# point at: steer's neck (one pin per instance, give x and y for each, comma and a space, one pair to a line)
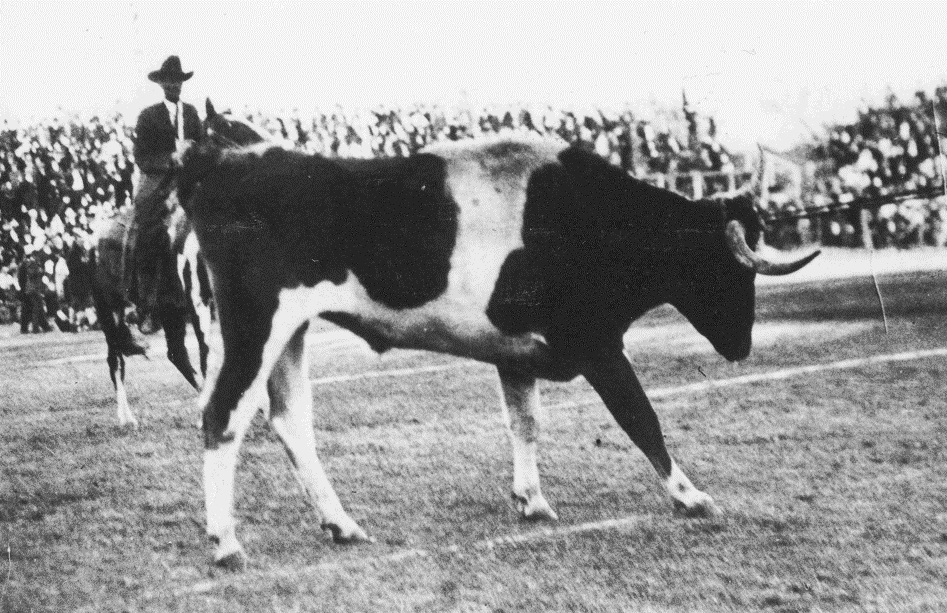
662, 222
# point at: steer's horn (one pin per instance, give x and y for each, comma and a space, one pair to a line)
736, 240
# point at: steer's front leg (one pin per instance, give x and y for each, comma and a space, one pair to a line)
615, 380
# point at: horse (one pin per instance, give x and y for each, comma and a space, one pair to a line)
170, 290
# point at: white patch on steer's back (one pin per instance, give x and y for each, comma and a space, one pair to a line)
490, 192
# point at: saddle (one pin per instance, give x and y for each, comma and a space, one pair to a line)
148, 215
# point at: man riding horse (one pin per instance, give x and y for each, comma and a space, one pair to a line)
160, 130
148, 256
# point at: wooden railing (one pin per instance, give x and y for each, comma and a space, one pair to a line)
697, 184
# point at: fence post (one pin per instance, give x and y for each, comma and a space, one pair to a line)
697, 184
731, 179
865, 219
764, 181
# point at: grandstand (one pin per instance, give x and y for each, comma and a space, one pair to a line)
57, 177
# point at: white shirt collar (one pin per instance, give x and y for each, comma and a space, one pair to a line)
172, 108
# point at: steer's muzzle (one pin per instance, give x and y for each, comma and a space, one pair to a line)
738, 350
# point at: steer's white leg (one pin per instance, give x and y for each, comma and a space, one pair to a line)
687, 498
219, 471
520, 404
291, 418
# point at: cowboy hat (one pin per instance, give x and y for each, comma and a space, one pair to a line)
170, 72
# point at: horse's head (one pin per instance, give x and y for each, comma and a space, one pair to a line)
224, 130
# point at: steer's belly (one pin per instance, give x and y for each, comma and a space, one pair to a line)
444, 325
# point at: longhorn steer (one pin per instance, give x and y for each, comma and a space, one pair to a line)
527, 254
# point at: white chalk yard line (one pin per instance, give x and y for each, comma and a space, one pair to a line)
512, 540
324, 341
159, 349
659, 393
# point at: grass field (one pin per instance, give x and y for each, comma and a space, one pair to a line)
831, 479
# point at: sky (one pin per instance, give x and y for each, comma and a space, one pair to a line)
769, 72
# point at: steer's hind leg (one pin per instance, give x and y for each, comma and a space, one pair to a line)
616, 382
520, 403
291, 418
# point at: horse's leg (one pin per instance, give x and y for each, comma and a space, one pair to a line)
200, 321
116, 362
291, 418
199, 313
174, 322
125, 415
197, 287
112, 321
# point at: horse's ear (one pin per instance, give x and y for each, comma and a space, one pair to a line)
209, 107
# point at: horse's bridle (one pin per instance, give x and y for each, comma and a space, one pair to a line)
226, 140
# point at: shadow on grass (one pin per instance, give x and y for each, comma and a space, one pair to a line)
907, 295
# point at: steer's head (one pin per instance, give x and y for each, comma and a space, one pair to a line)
717, 292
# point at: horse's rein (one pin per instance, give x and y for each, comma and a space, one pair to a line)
227, 141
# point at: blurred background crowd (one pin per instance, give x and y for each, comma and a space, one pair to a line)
60, 177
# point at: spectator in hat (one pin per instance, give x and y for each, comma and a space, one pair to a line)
161, 128
33, 309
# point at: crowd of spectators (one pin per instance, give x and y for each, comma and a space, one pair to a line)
670, 142
59, 177
888, 151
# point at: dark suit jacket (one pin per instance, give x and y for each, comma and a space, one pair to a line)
155, 135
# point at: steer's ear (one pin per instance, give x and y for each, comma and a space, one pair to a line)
209, 108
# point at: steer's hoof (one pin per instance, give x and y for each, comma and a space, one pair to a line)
235, 561
704, 507
535, 508
347, 537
